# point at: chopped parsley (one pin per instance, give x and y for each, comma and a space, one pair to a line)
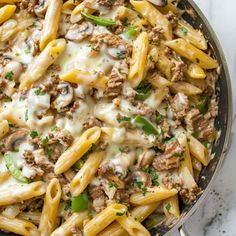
123, 119
158, 119
111, 185
48, 151
67, 206
203, 104
53, 128
9, 75
33, 25
138, 184
166, 108
122, 213
144, 90
118, 55
178, 154
44, 141
206, 143
153, 174
195, 134
33, 134
184, 30
39, 92
151, 58
168, 206
144, 191
26, 115
27, 51
17, 54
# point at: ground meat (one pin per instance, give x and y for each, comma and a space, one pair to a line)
172, 18
170, 159
28, 5
63, 137
144, 109
106, 3
179, 104
178, 71
189, 195
111, 40
122, 195
34, 204
91, 122
165, 128
155, 35
213, 107
50, 86
196, 122
96, 192
171, 183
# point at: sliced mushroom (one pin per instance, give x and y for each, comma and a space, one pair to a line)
41, 9
64, 98
13, 139
119, 52
79, 32
33, 46
142, 177
159, 3
13, 70
146, 158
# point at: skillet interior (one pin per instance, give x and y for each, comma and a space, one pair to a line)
223, 121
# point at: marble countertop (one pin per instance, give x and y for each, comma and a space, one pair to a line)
217, 215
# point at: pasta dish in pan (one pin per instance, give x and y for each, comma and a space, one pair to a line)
107, 115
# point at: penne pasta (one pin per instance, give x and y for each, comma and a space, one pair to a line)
86, 78
140, 213
170, 7
75, 220
10, 1
184, 87
194, 71
41, 63
51, 22
69, 6
50, 208
86, 173
198, 150
104, 218
171, 207
4, 176
139, 58
153, 16
8, 29
187, 32
185, 49
132, 226
159, 81
19, 193
152, 195
4, 128
80, 146
30, 216
6, 12
18, 226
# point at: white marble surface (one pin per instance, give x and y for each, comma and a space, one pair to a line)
217, 215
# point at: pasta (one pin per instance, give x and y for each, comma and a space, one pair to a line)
50, 208
51, 22
107, 116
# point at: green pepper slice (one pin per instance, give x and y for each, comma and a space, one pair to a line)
145, 125
202, 106
79, 203
130, 33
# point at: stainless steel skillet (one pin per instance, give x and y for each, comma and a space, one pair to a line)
223, 121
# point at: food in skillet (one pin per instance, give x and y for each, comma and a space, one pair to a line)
107, 115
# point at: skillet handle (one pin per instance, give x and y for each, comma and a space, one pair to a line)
182, 231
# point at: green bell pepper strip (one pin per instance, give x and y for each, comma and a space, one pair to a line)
145, 125
144, 90
14, 170
130, 33
79, 203
202, 106
98, 20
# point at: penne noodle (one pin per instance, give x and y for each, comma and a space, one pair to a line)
69, 6
4, 176
184, 87
195, 55
86, 173
4, 128
159, 82
19, 193
198, 150
153, 16
32, 216
104, 218
41, 63
86, 78
18, 226
187, 178
80, 146
132, 226
169, 7
6, 12
8, 29
194, 71
152, 195
139, 58
171, 207
187, 32
10, 1
51, 23
50, 208
75, 220
140, 213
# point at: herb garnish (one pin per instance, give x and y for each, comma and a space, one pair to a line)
144, 90
33, 134
9, 75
